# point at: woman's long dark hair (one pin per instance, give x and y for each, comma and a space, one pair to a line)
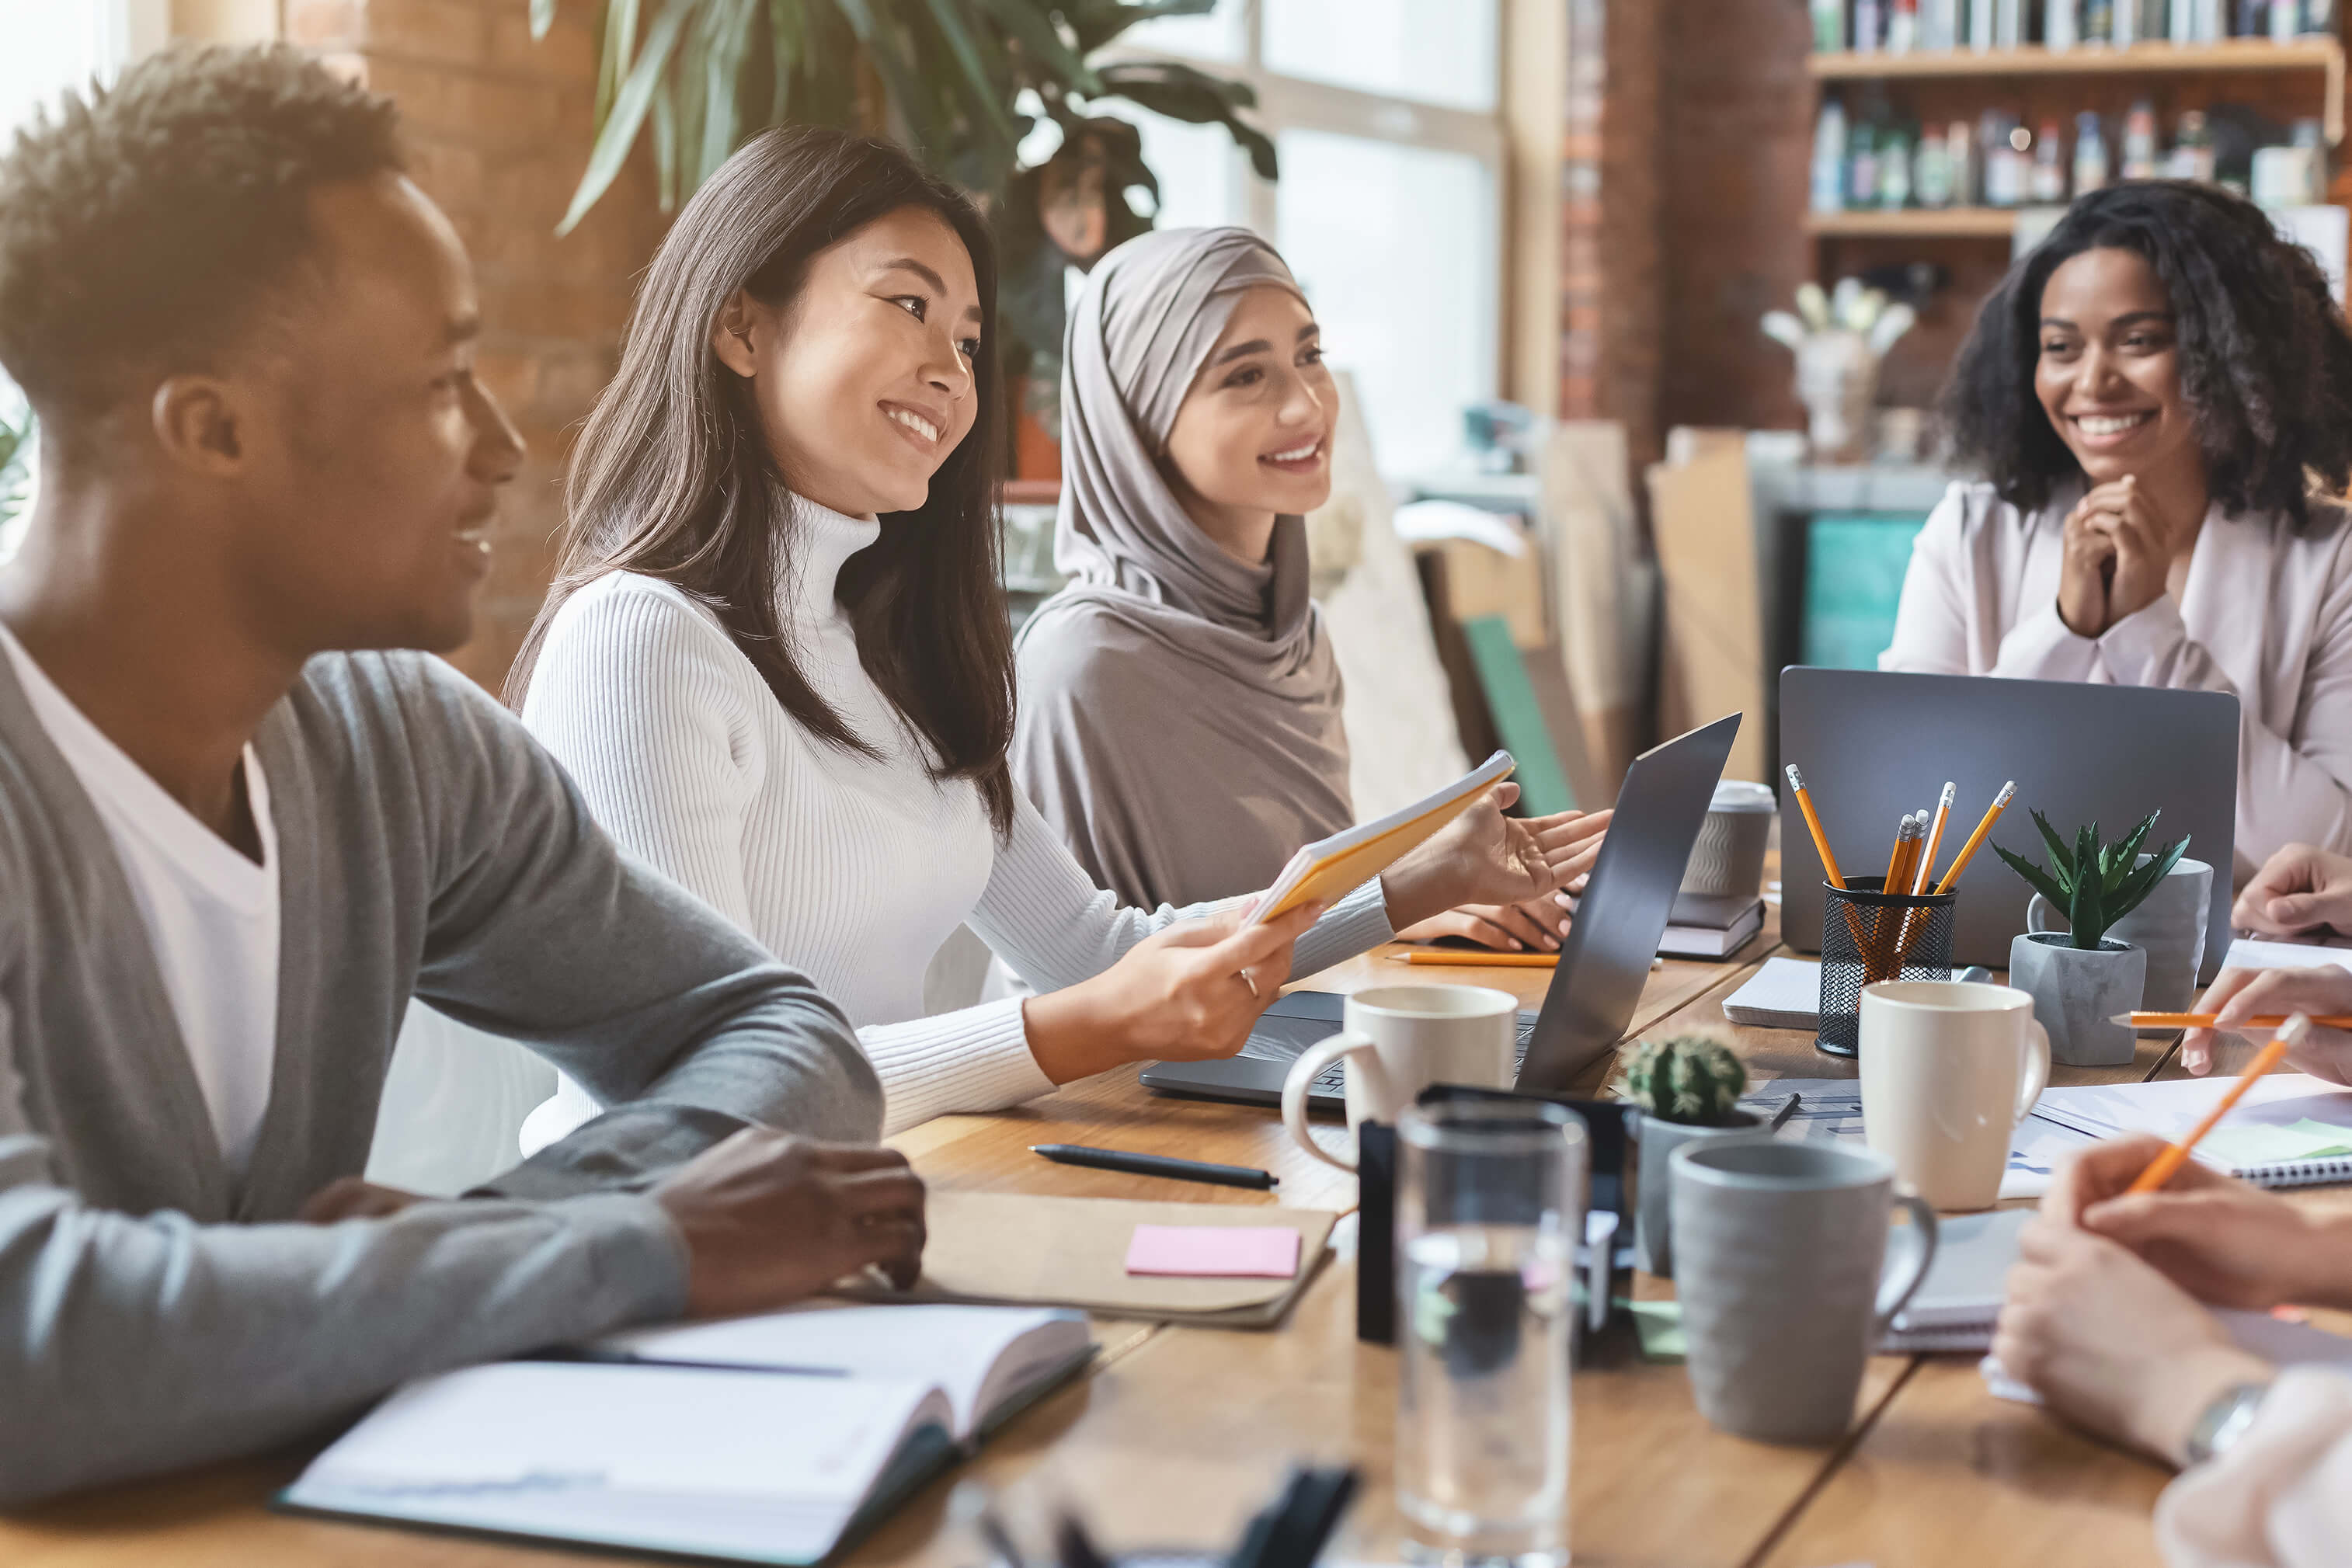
672, 477
2266, 356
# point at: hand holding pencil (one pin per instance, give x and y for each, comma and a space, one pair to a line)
2240, 997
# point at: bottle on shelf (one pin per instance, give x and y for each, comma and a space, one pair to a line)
1931, 170
2004, 142
2139, 142
1961, 157
2193, 148
1869, 25
1940, 25
2098, 21
2253, 20
2049, 181
2133, 22
2090, 154
2286, 19
2319, 19
1861, 165
1895, 168
1829, 25
1903, 26
1829, 158
2062, 24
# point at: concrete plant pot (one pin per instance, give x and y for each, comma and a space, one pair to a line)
1654, 1251
2076, 991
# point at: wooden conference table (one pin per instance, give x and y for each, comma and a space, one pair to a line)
1178, 1434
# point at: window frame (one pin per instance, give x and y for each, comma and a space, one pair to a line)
1297, 103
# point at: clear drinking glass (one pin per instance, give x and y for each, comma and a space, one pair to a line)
1490, 1200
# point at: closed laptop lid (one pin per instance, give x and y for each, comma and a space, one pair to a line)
1873, 745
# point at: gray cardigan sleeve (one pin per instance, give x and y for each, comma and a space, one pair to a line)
131, 1343
663, 1009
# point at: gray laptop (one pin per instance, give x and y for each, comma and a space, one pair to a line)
1603, 963
1873, 746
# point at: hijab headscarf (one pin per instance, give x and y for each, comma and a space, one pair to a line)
1180, 708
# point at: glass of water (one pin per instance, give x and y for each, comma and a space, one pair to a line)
1490, 1201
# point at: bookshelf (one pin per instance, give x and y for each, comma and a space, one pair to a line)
1915, 223
2324, 56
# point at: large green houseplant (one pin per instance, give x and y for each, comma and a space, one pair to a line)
963, 82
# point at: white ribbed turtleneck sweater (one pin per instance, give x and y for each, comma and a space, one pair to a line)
850, 868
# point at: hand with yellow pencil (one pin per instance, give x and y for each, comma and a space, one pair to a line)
2238, 995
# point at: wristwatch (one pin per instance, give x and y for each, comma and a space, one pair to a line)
2225, 1421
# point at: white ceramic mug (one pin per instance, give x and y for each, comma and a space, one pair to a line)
1950, 1068
1397, 1041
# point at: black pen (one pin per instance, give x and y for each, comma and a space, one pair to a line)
1152, 1165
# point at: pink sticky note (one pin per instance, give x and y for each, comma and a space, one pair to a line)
1223, 1251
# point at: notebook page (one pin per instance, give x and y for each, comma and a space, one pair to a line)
2252, 952
1790, 986
2285, 1117
569, 1426
954, 1348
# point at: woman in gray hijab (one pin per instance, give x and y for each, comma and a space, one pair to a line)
1179, 716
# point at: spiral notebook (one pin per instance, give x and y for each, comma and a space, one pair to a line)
2291, 1130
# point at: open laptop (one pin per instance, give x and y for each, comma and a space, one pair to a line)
1874, 745
1603, 963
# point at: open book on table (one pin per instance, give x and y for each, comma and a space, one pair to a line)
1330, 869
774, 1439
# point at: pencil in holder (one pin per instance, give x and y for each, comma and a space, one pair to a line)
1868, 936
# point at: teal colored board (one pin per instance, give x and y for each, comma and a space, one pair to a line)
1854, 578
1518, 718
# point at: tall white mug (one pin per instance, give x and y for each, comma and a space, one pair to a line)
1950, 1068
1397, 1041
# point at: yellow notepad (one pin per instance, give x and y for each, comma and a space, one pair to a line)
1330, 869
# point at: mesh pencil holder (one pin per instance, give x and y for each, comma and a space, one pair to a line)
1868, 936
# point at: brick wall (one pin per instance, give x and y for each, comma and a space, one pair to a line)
497, 128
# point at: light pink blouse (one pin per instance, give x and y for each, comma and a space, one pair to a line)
2266, 615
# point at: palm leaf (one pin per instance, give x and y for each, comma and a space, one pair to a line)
1181, 92
1097, 22
2037, 879
619, 47
619, 131
881, 41
988, 94
1026, 23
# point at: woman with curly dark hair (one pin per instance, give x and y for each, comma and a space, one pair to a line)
2159, 401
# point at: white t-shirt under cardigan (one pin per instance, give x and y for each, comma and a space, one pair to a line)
854, 869
211, 913
2266, 615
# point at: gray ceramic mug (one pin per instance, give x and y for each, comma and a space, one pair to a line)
1788, 1272
2168, 926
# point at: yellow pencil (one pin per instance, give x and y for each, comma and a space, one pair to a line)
1813, 825
1976, 840
1463, 955
2162, 1169
2213, 1021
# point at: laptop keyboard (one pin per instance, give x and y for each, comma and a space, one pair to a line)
1333, 1080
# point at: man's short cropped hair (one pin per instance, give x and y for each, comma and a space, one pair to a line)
146, 226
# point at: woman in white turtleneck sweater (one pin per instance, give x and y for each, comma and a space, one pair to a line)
801, 709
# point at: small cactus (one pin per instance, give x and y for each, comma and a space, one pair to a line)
1692, 1079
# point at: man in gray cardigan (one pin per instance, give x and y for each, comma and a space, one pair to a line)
266, 466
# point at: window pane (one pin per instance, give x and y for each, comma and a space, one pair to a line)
1396, 248
1215, 36
1440, 52
1200, 179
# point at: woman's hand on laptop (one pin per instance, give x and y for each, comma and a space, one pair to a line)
1540, 924
2300, 889
1483, 857
768, 1218
2237, 994
1191, 993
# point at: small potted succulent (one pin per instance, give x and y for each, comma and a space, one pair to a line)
2080, 978
1686, 1087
